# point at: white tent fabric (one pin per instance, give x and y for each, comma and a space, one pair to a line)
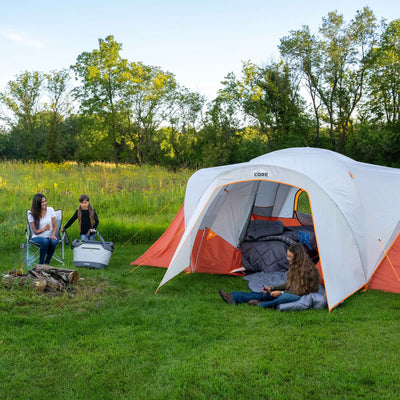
354, 205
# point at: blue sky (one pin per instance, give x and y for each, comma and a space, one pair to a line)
200, 41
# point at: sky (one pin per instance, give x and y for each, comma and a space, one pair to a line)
199, 41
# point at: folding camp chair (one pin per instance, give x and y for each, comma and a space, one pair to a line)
33, 249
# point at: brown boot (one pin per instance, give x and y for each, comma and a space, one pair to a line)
226, 297
254, 302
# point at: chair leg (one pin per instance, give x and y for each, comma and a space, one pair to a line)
31, 254
59, 258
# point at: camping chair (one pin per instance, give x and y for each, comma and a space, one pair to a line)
32, 248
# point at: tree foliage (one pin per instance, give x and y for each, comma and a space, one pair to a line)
58, 106
148, 91
268, 98
383, 102
332, 65
21, 99
336, 88
102, 74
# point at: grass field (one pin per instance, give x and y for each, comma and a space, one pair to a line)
128, 199
113, 338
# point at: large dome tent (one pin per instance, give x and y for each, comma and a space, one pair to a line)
355, 215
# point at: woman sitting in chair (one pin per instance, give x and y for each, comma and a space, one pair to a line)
42, 220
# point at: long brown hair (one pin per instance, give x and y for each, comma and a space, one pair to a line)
85, 197
36, 209
300, 276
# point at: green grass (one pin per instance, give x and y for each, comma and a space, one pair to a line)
114, 338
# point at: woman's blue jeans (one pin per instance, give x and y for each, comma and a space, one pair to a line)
90, 237
47, 248
265, 299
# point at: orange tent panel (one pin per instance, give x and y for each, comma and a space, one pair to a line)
286, 221
161, 252
387, 275
213, 255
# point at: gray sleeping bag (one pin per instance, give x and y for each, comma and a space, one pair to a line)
264, 247
312, 300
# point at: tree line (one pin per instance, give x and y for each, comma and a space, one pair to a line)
337, 88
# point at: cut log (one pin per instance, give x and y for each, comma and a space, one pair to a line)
66, 275
43, 278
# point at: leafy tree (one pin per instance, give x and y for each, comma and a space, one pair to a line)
375, 143
69, 134
247, 144
183, 115
91, 138
302, 53
333, 66
147, 91
102, 73
59, 107
268, 98
3, 143
220, 125
21, 100
383, 102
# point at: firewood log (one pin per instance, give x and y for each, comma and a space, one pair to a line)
43, 278
67, 275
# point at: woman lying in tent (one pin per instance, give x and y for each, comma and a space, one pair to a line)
302, 278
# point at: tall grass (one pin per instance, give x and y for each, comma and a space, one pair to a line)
127, 198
